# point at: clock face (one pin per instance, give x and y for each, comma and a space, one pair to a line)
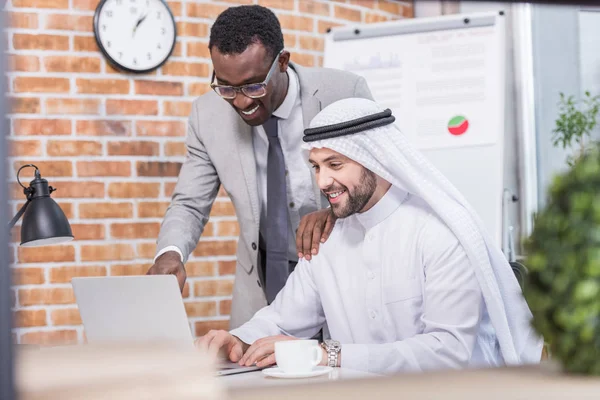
136, 35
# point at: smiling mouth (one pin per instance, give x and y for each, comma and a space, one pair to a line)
332, 196
251, 111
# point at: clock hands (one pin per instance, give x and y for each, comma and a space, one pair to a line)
139, 22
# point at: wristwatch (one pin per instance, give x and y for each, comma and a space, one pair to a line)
333, 348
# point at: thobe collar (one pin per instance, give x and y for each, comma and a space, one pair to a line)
385, 207
285, 108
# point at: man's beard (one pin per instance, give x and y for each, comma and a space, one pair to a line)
358, 199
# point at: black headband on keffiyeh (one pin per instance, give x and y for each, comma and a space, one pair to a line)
349, 127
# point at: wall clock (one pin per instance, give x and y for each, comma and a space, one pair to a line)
135, 35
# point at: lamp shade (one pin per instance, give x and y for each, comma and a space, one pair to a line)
44, 223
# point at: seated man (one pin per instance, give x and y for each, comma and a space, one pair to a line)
407, 281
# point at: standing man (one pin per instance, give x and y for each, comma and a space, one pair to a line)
246, 135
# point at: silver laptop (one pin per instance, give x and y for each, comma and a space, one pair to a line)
137, 308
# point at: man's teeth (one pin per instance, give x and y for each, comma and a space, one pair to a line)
251, 111
336, 194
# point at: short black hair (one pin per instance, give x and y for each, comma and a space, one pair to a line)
236, 28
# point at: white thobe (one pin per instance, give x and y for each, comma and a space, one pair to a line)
395, 288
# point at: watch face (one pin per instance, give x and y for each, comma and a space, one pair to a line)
135, 35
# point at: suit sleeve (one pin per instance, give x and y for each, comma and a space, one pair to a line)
193, 197
296, 311
361, 89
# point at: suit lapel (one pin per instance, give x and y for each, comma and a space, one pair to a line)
248, 162
311, 105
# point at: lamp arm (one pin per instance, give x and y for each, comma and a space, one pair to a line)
19, 214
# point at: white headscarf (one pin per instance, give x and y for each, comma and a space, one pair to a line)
387, 152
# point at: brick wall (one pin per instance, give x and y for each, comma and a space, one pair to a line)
112, 143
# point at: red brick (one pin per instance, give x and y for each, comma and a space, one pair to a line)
222, 209
214, 287
312, 43
27, 41
72, 64
349, 14
313, 7
177, 50
177, 108
24, 105
197, 30
169, 188
175, 149
176, 8
47, 168
85, 43
73, 148
152, 209
140, 230
24, 148
65, 316
186, 290
103, 86
364, 3
204, 10
203, 327
296, 23
66, 22
307, 60
281, 4
30, 127
85, 5
23, 63
228, 228
27, 276
131, 107
46, 254
371, 17
65, 274
122, 148
225, 307
103, 168
323, 26
108, 252
129, 269
41, 3
72, 106
391, 7
200, 268
198, 49
21, 20
105, 210
159, 88
160, 128
42, 296
88, 231
227, 267
158, 168
201, 308
50, 338
29, 318
215, 248
26, 84
67, 209
179, 68
198, 89
103, 128
79, 189
146, 250
133, 190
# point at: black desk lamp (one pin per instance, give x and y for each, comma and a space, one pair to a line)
44, 223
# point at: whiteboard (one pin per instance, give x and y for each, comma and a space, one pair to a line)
444, 80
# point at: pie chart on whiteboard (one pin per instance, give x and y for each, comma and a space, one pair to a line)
458, 125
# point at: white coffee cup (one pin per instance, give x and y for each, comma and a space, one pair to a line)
298, 356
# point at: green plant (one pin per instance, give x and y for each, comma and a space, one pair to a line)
576, 120
563, 259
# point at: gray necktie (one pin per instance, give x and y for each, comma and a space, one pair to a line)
277, 265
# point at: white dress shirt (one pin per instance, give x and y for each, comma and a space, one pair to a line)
300, 194
395, 288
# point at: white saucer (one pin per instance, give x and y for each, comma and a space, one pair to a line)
275, 372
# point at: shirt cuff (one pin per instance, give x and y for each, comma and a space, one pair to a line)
245, 335
169, 248
355, 356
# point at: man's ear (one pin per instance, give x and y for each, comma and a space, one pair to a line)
284, 60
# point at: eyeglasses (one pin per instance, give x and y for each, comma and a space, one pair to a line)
252, 90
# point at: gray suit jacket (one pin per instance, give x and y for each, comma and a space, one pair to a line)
220, 151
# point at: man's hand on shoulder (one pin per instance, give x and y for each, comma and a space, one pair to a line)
169, 263
313, 230
221, 343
